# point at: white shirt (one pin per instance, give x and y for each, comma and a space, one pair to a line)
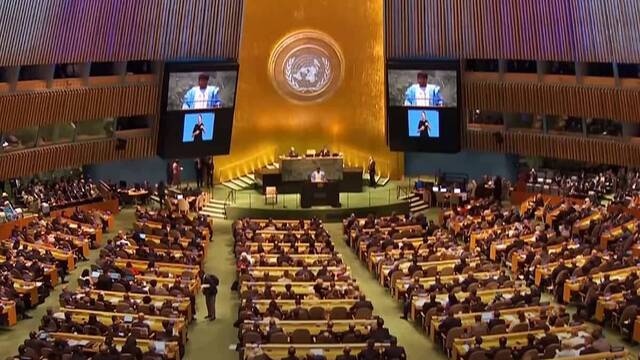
317, 176
200, 101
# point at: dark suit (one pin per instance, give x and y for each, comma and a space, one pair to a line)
372, 173
210, 293
449, 323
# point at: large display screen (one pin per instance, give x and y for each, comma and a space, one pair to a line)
197, 109
422, 106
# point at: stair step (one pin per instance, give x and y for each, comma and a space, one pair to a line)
251, 176
239, 183
214, 215
213, 211
231, 185
214, 201
246, 180
383, 181
214, 206
419, 208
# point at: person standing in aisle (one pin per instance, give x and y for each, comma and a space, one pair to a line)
210, 284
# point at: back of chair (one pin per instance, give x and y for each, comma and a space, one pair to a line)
530, 355
317, 313
339, 313
520, 327
446, 271
478, 355
498, 329
628, 313
140, 332
278, 338
431, 271
453, 334
251, 337
363, 313
301, 336
550, 351
504, 354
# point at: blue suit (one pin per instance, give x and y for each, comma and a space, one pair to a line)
213, 100
432, 91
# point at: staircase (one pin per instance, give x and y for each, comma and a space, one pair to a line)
214, 209
240, 183
416, 204
380, 181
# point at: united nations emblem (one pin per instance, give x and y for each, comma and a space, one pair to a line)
306, 66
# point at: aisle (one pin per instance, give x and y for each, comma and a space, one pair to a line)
416, 343
211, 339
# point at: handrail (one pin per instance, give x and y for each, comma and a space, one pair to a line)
403, 190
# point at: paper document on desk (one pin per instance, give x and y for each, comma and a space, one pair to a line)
78, 342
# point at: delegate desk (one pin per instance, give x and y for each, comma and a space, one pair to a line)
509, 315
50, 271
302, 288
298, 259
106, 317
573, 285
440, 265
192, 285
301, 247
519, 256
87, 229
609, 302
461, 346
330, 351
276, 272
169, 268
157, 226
402, 284
91, 343
321, 193
288, 305
487, 295
180, 304
59, 255
9, 308
615, 233
543, 271
315, 327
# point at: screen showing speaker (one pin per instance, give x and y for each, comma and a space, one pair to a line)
422, 106
197, 109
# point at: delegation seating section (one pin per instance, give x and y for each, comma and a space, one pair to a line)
299, 298
475, 284
137, 300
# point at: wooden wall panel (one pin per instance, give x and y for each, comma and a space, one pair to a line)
73, 31
554, 99
591, 150
29, 162
22, 110
569, 30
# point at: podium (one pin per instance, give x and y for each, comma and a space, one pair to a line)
323, 193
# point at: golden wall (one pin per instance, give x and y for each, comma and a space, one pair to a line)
351, 120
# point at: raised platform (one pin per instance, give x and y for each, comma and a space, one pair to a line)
251, 203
